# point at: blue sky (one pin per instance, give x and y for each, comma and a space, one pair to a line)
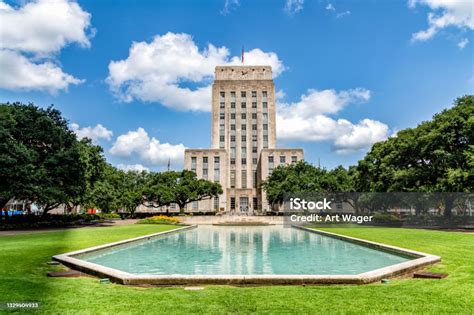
350, 72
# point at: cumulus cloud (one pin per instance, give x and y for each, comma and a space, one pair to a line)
156, 71
330, 7
443, 14
94, 133
31, 37
309, 120
294, 6
43, 26
133, 167
20, 73
149, 150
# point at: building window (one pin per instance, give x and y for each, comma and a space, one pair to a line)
217, 175
232, 116
265, 127
264, 104
232, 105
232, 179
222, 105
232, 127
270, 159
193, 163
294, 159
254, 149
254, 104
216, 162
232, 138
254, 115
195, 205
232, 161
265, 117
243, 94
232, 96
243, 105
221, 138
282, 159
216, 203
243, 116
244, 161
222, 94
254, 127
244, 178
244, 151
264, 96
232, 203
243, 127
254, 181
222, 115
244, 138
205, 174
255, 203
254, 161
254, 93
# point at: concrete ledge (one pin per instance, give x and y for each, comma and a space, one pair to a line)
420, 260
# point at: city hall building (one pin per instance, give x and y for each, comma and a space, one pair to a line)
243, 141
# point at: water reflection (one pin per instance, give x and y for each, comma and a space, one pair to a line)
243, 250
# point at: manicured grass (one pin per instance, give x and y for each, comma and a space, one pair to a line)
23, 278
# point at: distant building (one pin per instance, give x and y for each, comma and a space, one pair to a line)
243, 141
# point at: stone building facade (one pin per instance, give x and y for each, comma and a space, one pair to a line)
243, 141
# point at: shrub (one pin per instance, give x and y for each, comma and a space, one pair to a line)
159, 219
108, 215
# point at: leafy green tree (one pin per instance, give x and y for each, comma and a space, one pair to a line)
132, 190
181, 188
39, 157
94, 161
436, 156
106, 192
303, 177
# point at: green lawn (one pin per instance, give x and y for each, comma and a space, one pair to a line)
23, 278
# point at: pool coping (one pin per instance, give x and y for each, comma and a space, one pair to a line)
421, 260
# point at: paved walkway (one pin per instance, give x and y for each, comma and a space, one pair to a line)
45, 230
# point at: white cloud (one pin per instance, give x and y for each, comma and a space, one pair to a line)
308, 120
149, 150
229, 5
43, 26
444, 13
31, 37
20, 73
294, 6
463, 43
324, 102
133, 167
330, 7
94, 133
343, 14
156, 71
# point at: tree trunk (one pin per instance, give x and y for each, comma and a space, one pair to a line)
448, 205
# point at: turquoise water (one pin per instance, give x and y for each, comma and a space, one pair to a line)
264, 250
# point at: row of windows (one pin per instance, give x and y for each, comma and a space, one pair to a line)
243, 105
271, 160
243, 94
243, 116
244, 203
215, 204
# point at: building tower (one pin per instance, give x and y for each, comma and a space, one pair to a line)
243, 141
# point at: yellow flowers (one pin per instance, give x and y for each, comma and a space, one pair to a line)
159, 219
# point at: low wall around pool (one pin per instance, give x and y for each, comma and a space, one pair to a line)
420, 260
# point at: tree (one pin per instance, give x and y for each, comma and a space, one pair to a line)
303, 177
181, 188
436, 156
39, 157
132, 190
106, 192
94, 162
